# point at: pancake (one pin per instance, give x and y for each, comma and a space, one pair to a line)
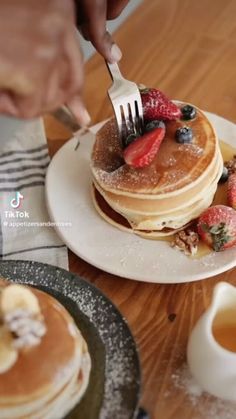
174, 189
176, 166
47, 379
117, 220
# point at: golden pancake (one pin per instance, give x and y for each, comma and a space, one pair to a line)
174, 189
29, 375
176, 166
51, 376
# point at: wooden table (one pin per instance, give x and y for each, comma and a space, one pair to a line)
187, 49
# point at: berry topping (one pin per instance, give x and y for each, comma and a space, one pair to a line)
188, 112
217, 227
142, 414
130, 139
225, 175
143, 150
157, 106
231, 191
184, 135
154, 124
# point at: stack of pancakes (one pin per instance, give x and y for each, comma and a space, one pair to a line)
48, 379
165, 196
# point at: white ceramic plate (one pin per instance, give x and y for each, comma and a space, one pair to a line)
68, 192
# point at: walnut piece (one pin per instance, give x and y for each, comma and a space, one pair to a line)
231, 165
186, 241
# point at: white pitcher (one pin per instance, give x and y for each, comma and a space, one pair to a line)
211, 348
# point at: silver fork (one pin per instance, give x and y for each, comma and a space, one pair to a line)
127, 104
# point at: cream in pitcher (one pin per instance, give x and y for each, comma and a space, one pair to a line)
211, 348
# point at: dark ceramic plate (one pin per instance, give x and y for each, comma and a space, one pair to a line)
114, 387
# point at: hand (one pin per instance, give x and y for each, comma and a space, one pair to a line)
41, 64
91, 19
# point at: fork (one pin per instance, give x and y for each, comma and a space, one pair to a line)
127, 104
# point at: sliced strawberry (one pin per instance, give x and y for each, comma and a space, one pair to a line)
142, 151
157, 106
217, 227
231, 191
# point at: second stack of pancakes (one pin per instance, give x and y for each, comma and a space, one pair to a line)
47, 380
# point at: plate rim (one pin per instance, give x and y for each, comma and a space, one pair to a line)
97, 290
213, 271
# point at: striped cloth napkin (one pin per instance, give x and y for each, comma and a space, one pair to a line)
25, 230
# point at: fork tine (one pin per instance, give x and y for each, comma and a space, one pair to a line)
127, 120
118, 115
134, 117
124, 132
140, 109
139, 114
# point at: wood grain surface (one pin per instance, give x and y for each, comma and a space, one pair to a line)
187, 49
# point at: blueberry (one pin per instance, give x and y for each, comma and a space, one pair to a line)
154, 124
224, 176
128, 140
142, 414
188, 112
184, 135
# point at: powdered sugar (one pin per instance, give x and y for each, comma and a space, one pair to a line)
201, 404
192, 149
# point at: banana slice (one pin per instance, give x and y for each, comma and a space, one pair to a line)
8, 355
15, 297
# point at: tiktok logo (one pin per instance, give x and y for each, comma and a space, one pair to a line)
16, 201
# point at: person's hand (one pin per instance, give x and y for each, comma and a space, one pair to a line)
91, 20
41, 64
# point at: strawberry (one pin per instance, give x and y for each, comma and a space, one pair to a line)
231, 191
157, 106
142, 151
217, 227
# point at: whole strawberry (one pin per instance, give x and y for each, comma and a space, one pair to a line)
231, 191
217, 227
157, 106
141, 152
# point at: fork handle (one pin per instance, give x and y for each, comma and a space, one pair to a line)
114, 71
